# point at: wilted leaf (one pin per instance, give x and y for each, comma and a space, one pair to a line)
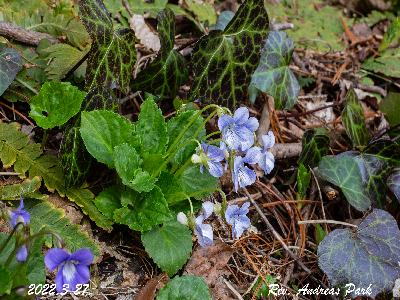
168, 71
102, 130
394, 183
389, 106
224, 61
10, 64
144, 33
169, 246
55, 104
185, 288
343, 171
354, 121
388, 63
273, 75
315, 144
366, 256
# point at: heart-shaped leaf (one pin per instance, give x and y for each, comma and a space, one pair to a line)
315, 146
389, 106
168, 71
343, 171
55, 104
223, 61
169, 246
354, 121
273, 75
10, 65
364, 257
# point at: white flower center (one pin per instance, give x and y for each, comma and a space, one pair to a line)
69, 271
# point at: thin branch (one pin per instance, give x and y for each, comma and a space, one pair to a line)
326, 222
29, 37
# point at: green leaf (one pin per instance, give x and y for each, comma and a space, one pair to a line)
27, 188
389, 107
392, 34
192, 122
203, 11
223, 61
56, 103
102, 130
45, 215
273, 75
196, 184
151, 128
320, 234
5, 281
185, 288
62, 58
303, 181
169, 246
343, 171
168, 71
171, 188
366, 256
108, 201
143, 211
112, 55
128, 165
388, 63
315, 144
10, 64
142, 6
15, 148
354, 121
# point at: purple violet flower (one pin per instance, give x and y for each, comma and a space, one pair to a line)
22, 253
73, 268
242, 175
267, 159
237, 217
211, 157
238, 131
20, 215
204, 232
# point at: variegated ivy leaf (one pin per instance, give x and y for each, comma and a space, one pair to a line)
394, 183
366, 256
315, 145
110, 64
112, 56
273, 75
224, 61
354, 121
343, 171
168, 71
10, 64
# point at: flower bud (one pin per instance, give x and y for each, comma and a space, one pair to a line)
181, 218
